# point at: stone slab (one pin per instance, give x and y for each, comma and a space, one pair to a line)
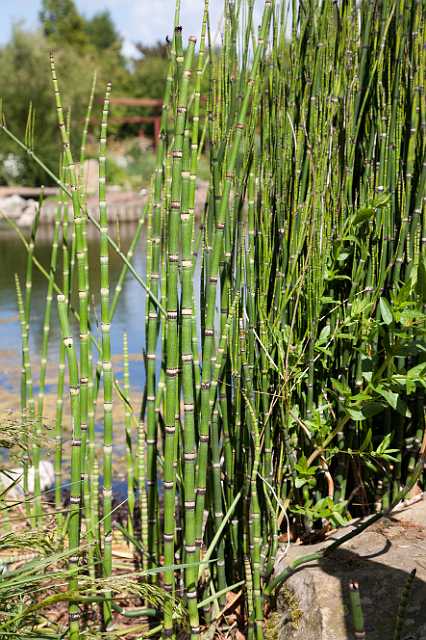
314, 602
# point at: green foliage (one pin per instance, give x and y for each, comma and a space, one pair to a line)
148, 77
158, 50
62, 24
140, 166
116, 174
102, 33
323, 509
61, 21
81, 45
24, 80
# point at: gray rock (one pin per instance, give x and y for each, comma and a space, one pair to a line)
26, 219
7, 478
314, 602
19, 209
13, 206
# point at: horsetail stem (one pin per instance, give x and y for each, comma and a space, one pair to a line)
27, 405
82, 264
44, 355
172, 356
129, 447
356, 610
75, 497
106, 357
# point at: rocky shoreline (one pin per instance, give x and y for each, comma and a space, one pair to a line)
123, 206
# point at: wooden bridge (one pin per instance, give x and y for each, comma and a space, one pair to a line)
154, 119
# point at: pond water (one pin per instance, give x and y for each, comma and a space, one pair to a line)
129, 315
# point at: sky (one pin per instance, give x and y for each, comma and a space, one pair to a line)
137, 20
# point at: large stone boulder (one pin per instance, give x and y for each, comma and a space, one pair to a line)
313, 604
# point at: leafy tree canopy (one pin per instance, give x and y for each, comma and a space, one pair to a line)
82, 45
158, 50
25, 79
62, 22
102, 32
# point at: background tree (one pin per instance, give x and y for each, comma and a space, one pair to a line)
102, 33
158, 50
82, 45
62, 22
149, 70
24, 79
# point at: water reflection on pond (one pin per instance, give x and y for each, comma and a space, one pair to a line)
129, 316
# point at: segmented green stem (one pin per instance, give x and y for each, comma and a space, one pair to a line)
75, 494
129, 439
172, 355
106, 358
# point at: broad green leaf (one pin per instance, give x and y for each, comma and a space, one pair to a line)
365, 409
381, 201
341, 387
410, 317
367, 440
388, 457
390, 396
343, 255
418, 373
384, 445
371, 408
362, 215
385, 311
370, 465
340, 520
359, 306
356, 414
323, 336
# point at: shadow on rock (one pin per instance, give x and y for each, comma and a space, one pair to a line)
314, 601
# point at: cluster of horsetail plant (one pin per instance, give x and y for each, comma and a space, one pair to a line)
285, 314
